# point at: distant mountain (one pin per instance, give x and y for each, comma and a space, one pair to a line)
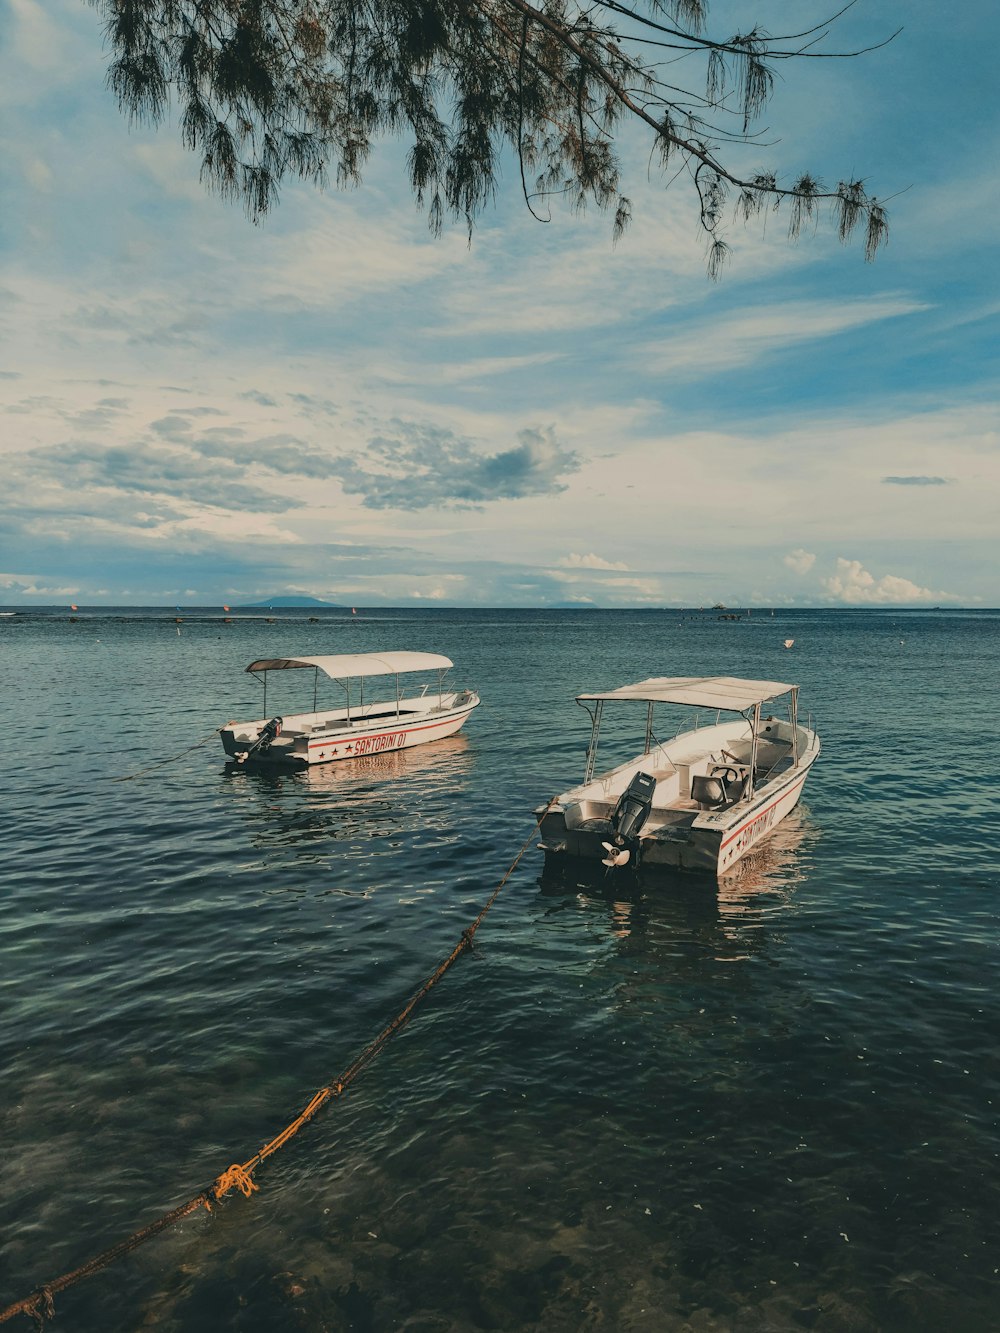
289, 601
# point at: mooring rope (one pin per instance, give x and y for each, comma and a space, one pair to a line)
131, 777
40, 1305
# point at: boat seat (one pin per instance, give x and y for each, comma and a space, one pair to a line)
709, 791
735, 788
668, 789
715, 789
688, 770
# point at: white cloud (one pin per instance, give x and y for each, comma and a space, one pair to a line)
854, 585
335, 260
746, 336
573, 561
632, 589
800, 561
484, 367
395, 587
637, 590
31, 585
38, 43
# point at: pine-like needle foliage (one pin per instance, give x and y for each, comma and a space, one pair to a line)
272, 87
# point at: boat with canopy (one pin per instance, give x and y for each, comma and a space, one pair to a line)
698, 801
363, 721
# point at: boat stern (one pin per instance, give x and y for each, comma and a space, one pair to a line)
261, 742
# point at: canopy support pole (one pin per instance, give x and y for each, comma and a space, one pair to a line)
794, 711
649, 726
594, 731
753, 747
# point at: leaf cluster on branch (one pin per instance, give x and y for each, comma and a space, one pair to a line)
267, 88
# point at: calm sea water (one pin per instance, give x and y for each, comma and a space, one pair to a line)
764, 1105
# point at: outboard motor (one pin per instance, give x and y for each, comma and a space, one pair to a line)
269, 732
629, 816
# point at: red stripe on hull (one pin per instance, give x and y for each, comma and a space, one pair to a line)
369, 740
759, 814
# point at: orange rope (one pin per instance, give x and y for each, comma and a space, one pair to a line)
40, 1305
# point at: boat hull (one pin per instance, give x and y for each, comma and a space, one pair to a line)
304, 741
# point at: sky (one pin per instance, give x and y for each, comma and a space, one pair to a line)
195, 410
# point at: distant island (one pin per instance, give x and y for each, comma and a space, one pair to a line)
288, 601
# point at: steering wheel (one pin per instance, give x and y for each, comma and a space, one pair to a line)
725, 772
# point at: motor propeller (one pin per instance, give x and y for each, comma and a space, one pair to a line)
616, 856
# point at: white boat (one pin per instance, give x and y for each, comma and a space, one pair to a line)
357, 725
699, 801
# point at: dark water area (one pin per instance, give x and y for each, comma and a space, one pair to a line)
670, 1104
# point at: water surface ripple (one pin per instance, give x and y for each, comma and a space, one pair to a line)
764, 1105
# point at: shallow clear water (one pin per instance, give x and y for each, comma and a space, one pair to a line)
768, 1104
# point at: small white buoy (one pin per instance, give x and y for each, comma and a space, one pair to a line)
789, 642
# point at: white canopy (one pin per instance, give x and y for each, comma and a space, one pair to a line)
725, 692
357, 664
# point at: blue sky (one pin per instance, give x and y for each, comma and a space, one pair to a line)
335, 403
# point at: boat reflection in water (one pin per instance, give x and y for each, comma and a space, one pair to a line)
732, 917
438, 767
328, 809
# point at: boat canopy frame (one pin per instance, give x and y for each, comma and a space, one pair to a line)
721, 694
343, 667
